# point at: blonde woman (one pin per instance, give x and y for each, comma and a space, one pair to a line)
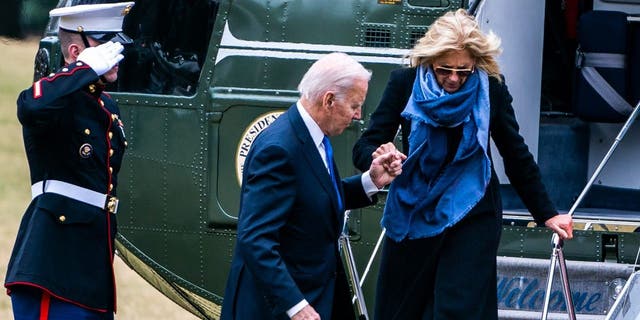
443, 214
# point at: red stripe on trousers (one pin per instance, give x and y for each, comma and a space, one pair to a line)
44, 306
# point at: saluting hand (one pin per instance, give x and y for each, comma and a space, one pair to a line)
103, 57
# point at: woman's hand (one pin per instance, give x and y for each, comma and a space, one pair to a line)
561, 224
382, 149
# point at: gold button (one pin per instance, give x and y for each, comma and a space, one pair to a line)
110, 187
126, 144
110, 135
92, 88
65, 69
114, 116
110, 152
79, 63
51, 75
101, 103
87, 131
110, 170
62, 218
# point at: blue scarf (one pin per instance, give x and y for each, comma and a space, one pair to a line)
430, 196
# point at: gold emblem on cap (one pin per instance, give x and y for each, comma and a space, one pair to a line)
80, 29
126, 10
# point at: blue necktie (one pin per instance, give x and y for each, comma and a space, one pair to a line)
329, 155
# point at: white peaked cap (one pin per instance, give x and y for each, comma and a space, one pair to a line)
93, 18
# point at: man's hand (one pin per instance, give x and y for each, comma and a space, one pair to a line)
561, 224
386, 167
306, 313
103, 57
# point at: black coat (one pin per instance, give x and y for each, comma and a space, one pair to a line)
72, 133
519, 164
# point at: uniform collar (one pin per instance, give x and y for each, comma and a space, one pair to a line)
95, 89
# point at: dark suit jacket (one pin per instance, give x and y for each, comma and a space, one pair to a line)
72, 133
288, 227
519, 164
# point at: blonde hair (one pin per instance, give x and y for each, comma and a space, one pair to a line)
458, 31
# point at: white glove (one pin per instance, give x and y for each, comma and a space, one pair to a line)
103, 57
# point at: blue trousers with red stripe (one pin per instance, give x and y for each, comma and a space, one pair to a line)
34, 304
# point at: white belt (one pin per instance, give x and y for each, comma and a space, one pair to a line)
88, 196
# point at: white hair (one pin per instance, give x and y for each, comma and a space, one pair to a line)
334, 72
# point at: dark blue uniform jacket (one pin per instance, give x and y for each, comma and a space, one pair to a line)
72, 133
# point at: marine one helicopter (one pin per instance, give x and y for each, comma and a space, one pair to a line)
204, 78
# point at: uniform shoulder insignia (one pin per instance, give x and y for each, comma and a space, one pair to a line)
37, 89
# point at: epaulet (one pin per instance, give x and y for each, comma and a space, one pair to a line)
37, 89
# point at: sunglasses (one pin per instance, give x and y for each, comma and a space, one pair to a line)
445, 72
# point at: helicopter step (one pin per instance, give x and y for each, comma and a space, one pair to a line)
627, 306
521, 284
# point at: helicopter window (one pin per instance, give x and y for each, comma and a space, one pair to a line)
429, 3
415, 35
171, 38
377, 36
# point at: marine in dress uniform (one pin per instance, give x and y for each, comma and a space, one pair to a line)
61, 266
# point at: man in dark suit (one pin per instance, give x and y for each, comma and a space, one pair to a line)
286, 263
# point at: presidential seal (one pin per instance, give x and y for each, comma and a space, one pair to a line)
252, 131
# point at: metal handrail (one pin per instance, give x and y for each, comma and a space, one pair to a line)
557, 255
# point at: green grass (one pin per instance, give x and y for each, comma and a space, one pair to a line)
17, 59
136, 298
15, 75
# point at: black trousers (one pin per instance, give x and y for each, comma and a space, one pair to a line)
446, 277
